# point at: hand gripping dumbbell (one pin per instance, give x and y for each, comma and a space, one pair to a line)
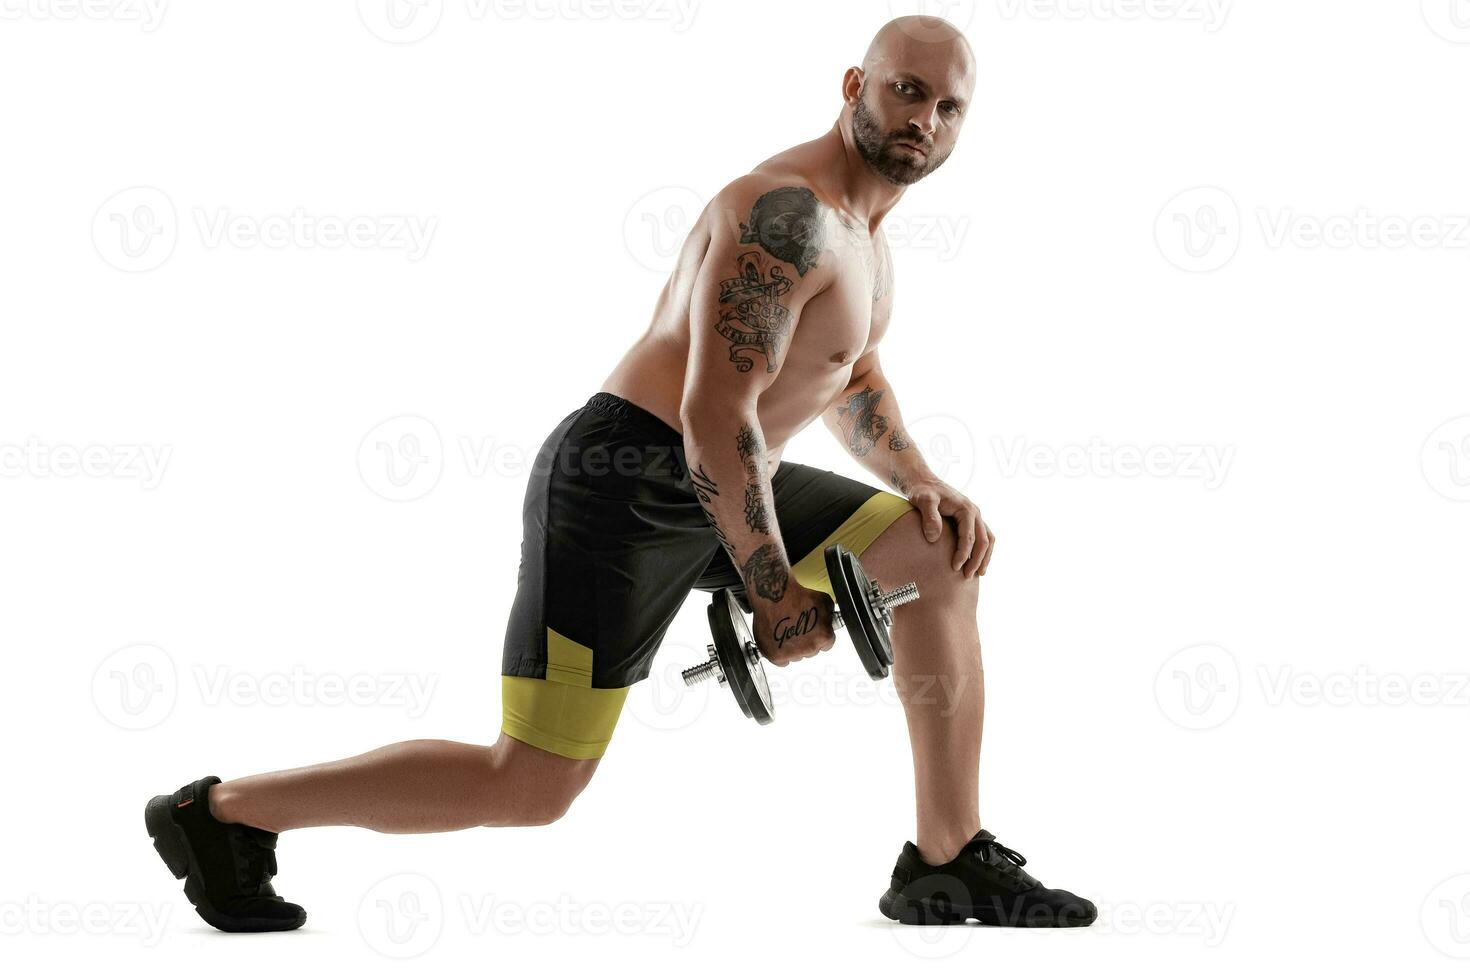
862, 607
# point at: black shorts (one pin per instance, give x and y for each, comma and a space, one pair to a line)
613, 541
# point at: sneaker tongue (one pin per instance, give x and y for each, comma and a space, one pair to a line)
986, 854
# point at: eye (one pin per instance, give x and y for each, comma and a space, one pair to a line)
905, 88
950, 108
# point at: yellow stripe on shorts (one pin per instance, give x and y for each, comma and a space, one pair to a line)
855, 534
564, 713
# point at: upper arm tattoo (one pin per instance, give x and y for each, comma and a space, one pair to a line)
751, 319
860, 421
788, 224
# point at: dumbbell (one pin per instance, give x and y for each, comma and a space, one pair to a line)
862, 607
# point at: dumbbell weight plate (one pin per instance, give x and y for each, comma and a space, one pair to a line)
852, 589
740, 659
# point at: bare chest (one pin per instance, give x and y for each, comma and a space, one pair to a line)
849, 318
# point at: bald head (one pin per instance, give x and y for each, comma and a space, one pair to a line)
916, 38
918, 76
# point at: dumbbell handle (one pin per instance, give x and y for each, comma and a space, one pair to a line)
882, 602
709, 670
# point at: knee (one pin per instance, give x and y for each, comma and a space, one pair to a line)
547, 806
930, 564
535, 787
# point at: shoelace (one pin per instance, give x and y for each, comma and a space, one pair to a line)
990, 847
255, 862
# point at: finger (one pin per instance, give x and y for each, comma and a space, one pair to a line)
932, 520
982, 547
966, 547
978, 551
989, 552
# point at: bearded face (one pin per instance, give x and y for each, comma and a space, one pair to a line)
883, 150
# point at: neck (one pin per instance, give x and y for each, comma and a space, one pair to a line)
848, 180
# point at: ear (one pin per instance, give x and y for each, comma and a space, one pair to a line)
852, 84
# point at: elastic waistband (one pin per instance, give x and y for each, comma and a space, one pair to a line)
611, 406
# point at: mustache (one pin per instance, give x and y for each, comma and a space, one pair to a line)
925, 145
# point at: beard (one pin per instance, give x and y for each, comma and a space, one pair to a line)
881, 152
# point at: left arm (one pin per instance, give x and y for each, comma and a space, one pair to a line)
865, 418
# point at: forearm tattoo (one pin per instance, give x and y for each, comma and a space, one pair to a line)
787, 223
897, 441
705, 488
860, 421
899, 483
752, 457
765, 572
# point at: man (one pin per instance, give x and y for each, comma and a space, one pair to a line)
671, 478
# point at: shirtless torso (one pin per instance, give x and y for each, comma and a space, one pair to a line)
838, 326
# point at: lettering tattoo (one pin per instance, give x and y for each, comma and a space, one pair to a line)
788, 223
765, 572
752, 457
787, 627
704, 489
860, 421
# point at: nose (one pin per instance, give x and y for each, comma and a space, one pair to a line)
922, 128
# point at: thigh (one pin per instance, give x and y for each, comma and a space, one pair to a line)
816, 508
613, 539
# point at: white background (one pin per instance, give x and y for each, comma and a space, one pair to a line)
1228, 703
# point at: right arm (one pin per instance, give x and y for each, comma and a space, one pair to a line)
763, 264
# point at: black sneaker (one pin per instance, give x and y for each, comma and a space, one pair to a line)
228, 866
984, 882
